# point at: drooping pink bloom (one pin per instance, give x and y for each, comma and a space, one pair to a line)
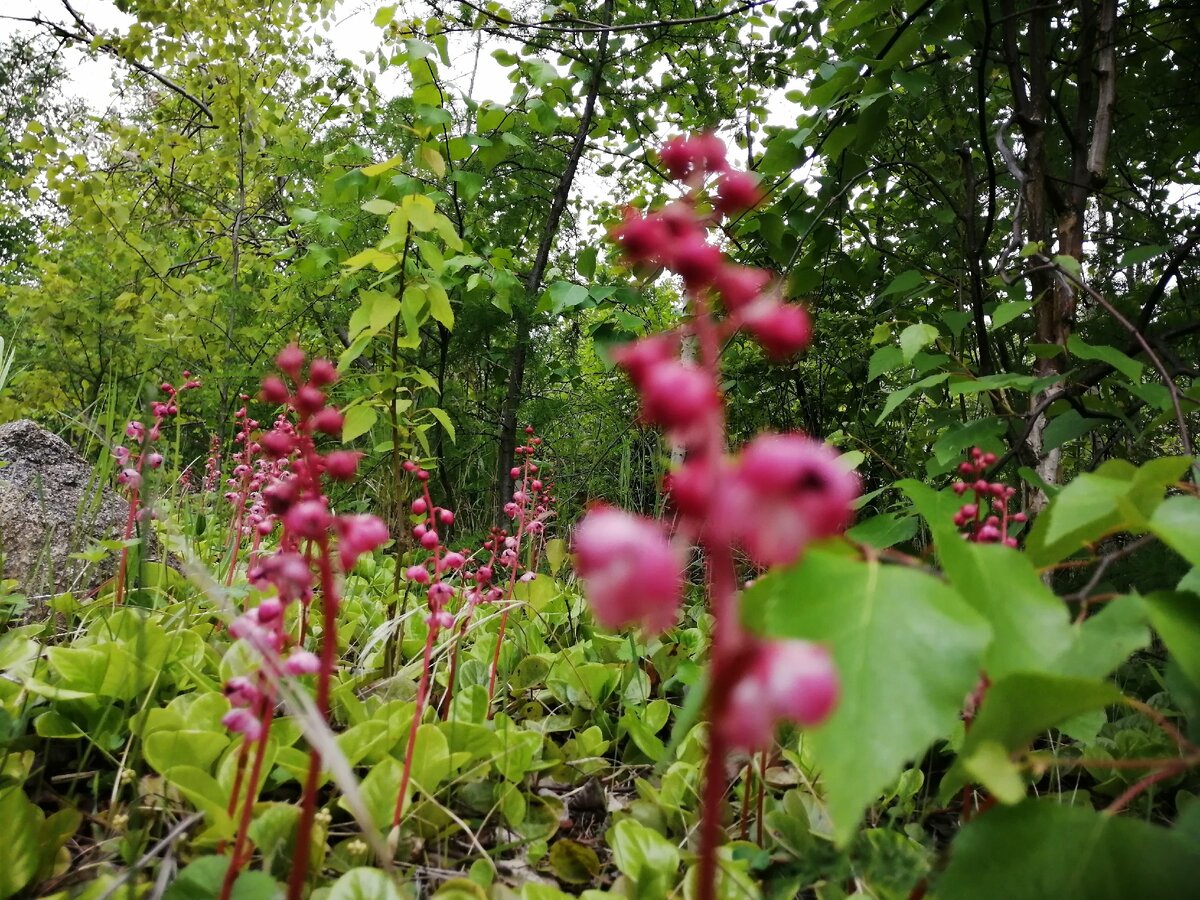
787, 680
357, 535
631, 572
737, 192
786, 491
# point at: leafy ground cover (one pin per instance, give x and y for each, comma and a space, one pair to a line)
829, 529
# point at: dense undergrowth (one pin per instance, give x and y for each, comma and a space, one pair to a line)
831, 530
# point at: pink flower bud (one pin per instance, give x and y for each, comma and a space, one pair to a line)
782, 329
642, 239
787, 681
328, 421
322, 372
453, 560
639, 358
678, 394
696, 261
740, 285
418, 574
242, 721
308, 400
737, 192
290, 360
446, 517
342, 465
429, 540
631, 573
308, 519
301, 662
154, 460
357, 535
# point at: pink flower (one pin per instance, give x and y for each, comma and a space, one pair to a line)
308, 519
342, 465
418, 574
737, 192
243, 722
740, 285
679, 396
787, 680
642, 239
639, 358
290, 359
782, 329
785, 491
631, 573
301, 662
358, 535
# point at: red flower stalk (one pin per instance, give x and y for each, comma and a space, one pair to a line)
530, 516
434, 574
769, 501
133, 467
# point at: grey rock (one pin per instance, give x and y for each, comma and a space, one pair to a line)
52, 505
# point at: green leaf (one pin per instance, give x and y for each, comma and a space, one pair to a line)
1130, 368
573, 863
639, 850
1176, 618
1043, 850
884, 530
885, 359
439, 304
903, 283
1015, 710
1176, 522
1137, 255
364, 883
20, 827
556, 554
444, 420
359, 420
1030, 626
379, 206
385, 166
875, 619
1105, 640
564, 295
169, 748
1007, 312
585, 264
915, 338
1115, 497
202, 878
1066, 427
895, 398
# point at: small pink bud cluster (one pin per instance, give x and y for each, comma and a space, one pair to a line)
434, 573
675, 237
987, 519
531, 505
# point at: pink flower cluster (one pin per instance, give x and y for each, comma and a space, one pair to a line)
780, 493
288, 485
987, 519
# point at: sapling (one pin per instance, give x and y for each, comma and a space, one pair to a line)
769, 501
